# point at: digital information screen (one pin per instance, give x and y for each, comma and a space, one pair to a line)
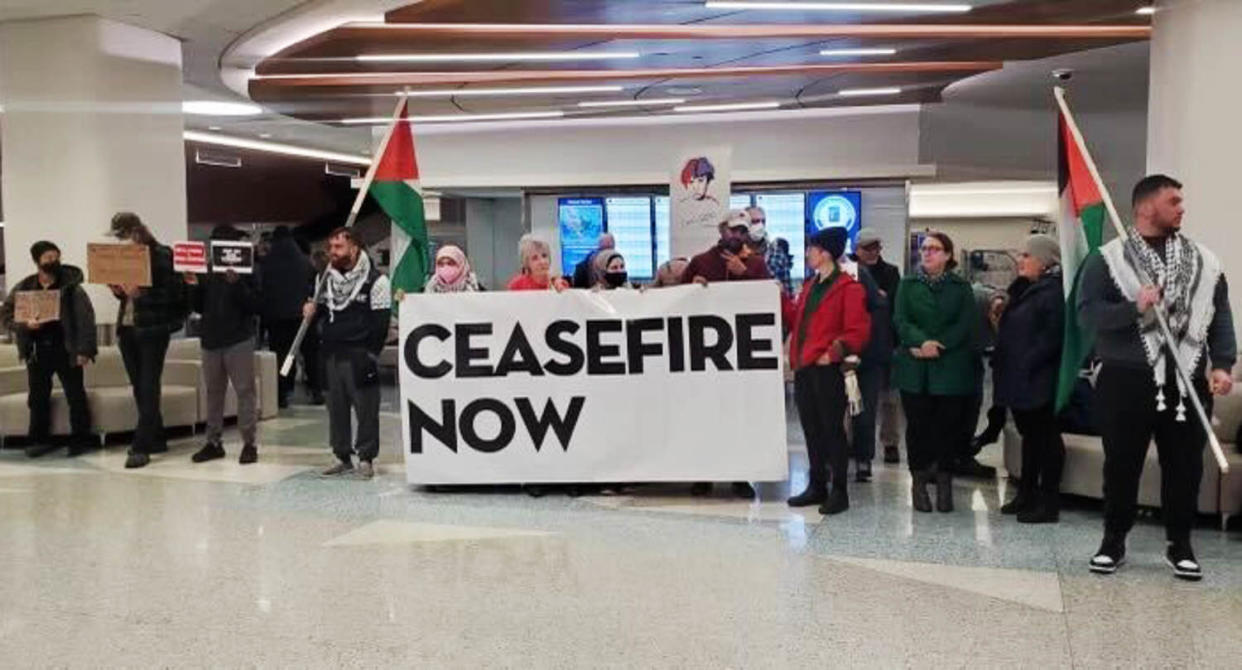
786, 213
629, 221
662, 235
833, 209
581, 223
739, 201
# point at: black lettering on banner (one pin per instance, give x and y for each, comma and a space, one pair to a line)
718, 351
676, 345
562, 426
467, 355
508, 426
635, 348
747, 345
445, 430
412, 361
518, 355
557, 343
597, 351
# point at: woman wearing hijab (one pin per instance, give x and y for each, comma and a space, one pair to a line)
452, 273
608, 270
535, 257
934, 367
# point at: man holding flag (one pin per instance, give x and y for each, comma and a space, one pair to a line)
1138, 392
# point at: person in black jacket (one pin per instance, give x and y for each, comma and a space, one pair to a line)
354, 309
286, 275
63, 347
229, 303
582, 277
883, 338
1026, 362
147, 317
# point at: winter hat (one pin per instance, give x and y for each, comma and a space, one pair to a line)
42, 247
831, 240
867, 237
1045, 248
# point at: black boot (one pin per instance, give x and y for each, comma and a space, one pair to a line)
813, 495
944, 491
1022, 501
838, 501
1046, 509
918, 490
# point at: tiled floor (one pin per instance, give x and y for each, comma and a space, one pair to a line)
269, 566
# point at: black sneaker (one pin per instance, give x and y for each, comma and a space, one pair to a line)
40, 448
249, 454
77, 447
743, 490
1181, 559
892, 454
136, 459
837, 502
701, 489
811, 496
862, 472
969, 467
1110, 556
210, 452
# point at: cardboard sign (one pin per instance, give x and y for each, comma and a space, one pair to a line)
118, 264
190, 257
40, 306
235, 256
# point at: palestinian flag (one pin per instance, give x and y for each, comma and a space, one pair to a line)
397, 191
1081, 231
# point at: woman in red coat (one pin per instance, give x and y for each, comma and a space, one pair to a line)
827, 323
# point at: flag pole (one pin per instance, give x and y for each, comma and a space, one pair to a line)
1182, 373
287, 366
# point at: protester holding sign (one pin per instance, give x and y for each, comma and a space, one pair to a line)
229, 303
147, 318
62, 346
355, 306
724, 261
829, 326
536, 267
935, 367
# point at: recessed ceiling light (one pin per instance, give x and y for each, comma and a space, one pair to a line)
496, 57
273, 147
528, 90
731, 107
904, 7
683, 91
265, 136
213, 129
855, 92
858, 52
633, 103
1145, 11
454, 118
218, 108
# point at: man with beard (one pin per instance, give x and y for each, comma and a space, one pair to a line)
723, 262
354, 309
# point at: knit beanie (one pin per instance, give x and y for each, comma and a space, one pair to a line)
831, 240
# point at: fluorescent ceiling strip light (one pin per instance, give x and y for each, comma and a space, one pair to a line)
534, 56
904, 7
633, 103
857, 52
219, 108
1145, 11
273, 147
732, 107
529, 90
452, 118
856, 92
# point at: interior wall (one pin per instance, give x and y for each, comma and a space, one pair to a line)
493, 228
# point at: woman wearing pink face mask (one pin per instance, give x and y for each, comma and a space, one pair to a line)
452, 273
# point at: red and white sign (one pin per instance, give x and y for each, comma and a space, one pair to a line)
190, 257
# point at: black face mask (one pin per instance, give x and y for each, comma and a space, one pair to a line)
616, 279
731, 245
50, 268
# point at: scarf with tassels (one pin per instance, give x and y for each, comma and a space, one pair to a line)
343, 287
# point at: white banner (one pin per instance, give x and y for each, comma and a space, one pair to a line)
675, 384
699, 200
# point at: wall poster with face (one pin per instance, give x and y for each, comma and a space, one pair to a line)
699, 199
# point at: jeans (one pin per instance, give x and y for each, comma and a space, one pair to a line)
47, 359
143, 351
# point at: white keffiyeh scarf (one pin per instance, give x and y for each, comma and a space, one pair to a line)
343, 288
1187, 273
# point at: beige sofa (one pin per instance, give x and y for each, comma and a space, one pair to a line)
1219, 493
183, 402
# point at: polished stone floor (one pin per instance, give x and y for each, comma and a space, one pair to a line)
269, 566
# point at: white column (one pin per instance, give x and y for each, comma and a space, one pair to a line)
91, 126
1192, 128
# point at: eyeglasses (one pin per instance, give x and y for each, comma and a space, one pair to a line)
929, 248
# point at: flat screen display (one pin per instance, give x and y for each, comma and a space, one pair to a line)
661, 230
581, 223
629, 221
739, 201
786, 215
835, 209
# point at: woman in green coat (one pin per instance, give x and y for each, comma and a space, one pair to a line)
934, 367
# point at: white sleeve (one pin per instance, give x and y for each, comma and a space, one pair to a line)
381, 293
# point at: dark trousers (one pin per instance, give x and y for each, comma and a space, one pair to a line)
348, 396
819, 392
280, 336
1125, 403
870, 382
45, 360
143, 351
310, 358
1043, 452
934, 429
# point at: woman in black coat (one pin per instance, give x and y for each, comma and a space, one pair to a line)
1026, 363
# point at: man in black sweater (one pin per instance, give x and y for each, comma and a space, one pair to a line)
229, 304
1138, 395
354, 309
880, 350
62, 346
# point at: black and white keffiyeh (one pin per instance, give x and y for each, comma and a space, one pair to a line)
1187, 273
342, 288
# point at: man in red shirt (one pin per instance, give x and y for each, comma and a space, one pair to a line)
723, 262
